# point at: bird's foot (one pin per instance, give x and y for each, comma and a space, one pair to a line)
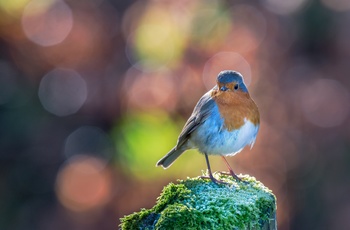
212, 178
231, 173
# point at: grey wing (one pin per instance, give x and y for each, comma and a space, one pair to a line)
200, 112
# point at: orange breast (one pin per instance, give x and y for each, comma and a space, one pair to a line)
234, 107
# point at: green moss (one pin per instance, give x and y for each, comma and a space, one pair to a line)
198, 203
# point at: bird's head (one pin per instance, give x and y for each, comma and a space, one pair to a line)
230, 81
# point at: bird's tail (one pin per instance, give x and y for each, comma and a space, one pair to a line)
171, 156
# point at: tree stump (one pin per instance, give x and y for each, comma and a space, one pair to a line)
197, 203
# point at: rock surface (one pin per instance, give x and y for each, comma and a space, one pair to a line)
197, 203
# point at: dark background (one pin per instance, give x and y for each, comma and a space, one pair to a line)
94, 92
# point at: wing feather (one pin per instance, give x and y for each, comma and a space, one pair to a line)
200, 113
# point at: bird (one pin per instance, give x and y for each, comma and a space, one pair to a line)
224, 121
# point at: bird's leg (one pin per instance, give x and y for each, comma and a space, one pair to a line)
232, 173
211, 177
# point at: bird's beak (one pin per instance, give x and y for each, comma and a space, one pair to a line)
223, 88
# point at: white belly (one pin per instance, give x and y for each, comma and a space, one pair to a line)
212, 138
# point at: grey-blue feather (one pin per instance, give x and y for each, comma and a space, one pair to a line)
201, 111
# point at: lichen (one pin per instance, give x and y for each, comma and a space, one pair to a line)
197, 203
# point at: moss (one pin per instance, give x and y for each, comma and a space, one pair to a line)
198, 203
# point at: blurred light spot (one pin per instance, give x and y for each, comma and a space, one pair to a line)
284, 7
225, 61
189, 88
248, 29
337, 5
89, 41
83, 184
150, 90
47, 23
141, 139
8, 85
62, 92
211, 24
158, 40
325, 103
13, 7
89, 140
130, 18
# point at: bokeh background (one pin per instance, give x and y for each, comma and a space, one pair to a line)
94, 92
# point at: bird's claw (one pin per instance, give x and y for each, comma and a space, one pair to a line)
234, 176
231, 174
213, 179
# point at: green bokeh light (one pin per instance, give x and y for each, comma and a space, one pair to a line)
142, 139
212, 21
159, 40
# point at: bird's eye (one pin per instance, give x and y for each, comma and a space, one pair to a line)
236, 87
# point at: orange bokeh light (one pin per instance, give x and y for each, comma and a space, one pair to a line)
83, 184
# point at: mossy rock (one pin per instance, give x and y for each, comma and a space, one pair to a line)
198, 203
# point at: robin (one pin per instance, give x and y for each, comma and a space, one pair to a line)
224, 121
